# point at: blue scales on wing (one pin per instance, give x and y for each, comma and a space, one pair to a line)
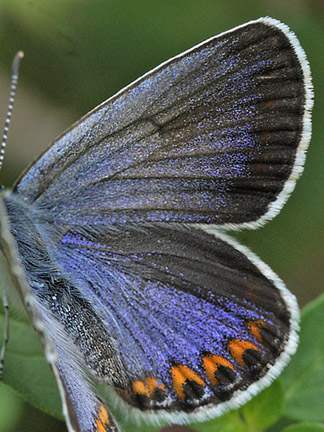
178, 321
194, 321
210, 136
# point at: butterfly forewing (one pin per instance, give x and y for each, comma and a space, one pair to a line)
210, 136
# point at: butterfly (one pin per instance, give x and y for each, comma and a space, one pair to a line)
115, 236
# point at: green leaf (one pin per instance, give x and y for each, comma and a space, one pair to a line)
305, 427
265, 409
130, 427
127, 424
34, 382
231, 422
258, 414
10, 408
303, 378
25, 368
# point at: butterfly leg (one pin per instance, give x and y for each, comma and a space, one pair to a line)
5, 301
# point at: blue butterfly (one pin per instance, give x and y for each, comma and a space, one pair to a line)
115, 234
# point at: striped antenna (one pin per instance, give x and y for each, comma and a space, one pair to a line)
14, 81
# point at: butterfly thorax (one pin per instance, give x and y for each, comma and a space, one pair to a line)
52, 288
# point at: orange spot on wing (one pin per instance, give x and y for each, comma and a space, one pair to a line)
212, 363
152, 385
140, 388
238, 348
103, 420
148, 387
181, 375
100, 427
255, 327
103, 415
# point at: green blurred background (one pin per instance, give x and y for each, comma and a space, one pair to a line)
78, 53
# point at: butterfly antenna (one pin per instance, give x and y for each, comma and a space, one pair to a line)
14, 81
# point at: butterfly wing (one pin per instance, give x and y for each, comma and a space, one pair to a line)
214, 135
81, 406
197, 319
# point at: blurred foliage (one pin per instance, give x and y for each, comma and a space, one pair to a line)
79, 52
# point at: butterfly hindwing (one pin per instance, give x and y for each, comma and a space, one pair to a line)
194, 319
215, 135
82, 408
84, 411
